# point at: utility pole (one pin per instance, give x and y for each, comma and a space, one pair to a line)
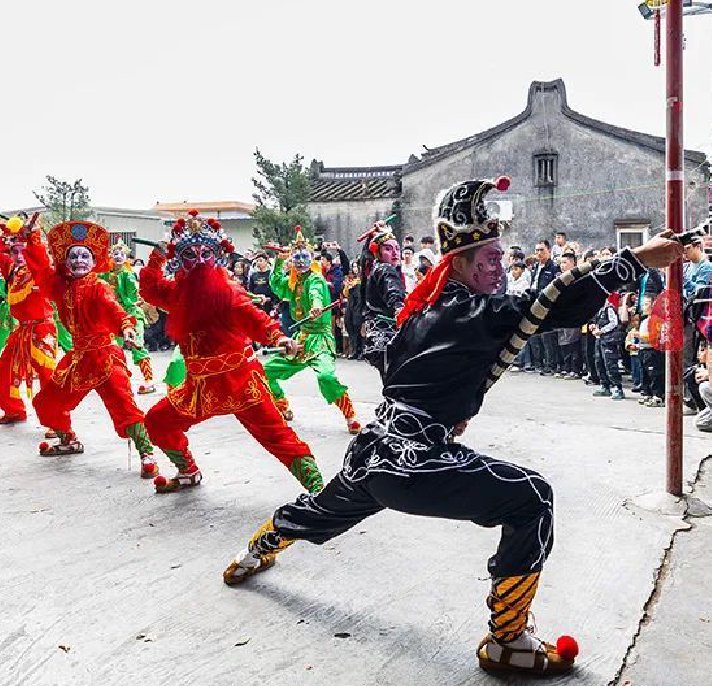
675, 220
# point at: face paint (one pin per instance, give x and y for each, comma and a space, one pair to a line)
119, 257
80, 261
197, 254
390, 252
302, 261
17, 252
484, 273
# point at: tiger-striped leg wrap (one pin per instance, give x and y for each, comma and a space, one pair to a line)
182, 459
346, 406
266, 540
138, 434
145, 366
307, 473
260, 554
509, 602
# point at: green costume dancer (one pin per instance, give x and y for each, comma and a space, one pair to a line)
7, 323
64, 338
125, 284
307, 292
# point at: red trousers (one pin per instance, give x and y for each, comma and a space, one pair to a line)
25, 348
54, 403
167, 429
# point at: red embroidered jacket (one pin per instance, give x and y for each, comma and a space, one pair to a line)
89, 310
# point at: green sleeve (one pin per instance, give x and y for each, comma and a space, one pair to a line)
319, 293
128, 289
279, 281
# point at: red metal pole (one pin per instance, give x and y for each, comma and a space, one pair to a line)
674, 214
656, 38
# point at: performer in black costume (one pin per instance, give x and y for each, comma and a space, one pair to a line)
384, 288
455, 339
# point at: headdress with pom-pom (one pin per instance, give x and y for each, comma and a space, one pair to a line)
373, 239
195, 230
462, 222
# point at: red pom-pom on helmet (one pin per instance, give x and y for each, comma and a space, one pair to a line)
502, 183
217, 225
44, 446
567, 648
160, 481
373, 247
180, 222
193, 213
210, 221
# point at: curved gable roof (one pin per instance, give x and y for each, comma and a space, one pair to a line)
656, 143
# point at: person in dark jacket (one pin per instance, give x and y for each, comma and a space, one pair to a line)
608, 346
258, 283
544, 346
384, 294
455, 338
353, 316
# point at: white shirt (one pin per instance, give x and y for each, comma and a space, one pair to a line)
518, 286
408, 271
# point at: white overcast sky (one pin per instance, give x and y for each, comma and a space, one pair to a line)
166, 100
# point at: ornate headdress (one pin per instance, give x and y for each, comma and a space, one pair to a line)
462, 220
66, 235
120, 245
300, 242
197, 231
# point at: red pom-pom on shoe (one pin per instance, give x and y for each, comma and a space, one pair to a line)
44, 446
501, 183
160, 481
567, 648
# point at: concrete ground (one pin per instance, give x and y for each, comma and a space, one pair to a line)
104, 582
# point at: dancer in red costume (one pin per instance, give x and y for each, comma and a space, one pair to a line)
89, 310
214, 320
31, 348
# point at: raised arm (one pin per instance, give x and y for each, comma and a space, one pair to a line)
155, 288
45, 276
278, 279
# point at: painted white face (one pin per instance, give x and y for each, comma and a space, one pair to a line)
80, 261
119, 257
302, 260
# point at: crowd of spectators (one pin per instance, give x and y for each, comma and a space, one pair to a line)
616, 343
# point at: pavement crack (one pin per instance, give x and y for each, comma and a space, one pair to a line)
661, 574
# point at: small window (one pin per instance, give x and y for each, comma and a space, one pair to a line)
631, 235
545, 170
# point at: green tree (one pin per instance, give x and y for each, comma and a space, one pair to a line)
63, 201
282, 191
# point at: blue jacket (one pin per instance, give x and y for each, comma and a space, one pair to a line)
543, 275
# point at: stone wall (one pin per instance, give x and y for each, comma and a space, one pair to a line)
345, 221
602, 179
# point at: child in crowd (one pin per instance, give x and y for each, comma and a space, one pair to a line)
632, 345
605, 331
652, 362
